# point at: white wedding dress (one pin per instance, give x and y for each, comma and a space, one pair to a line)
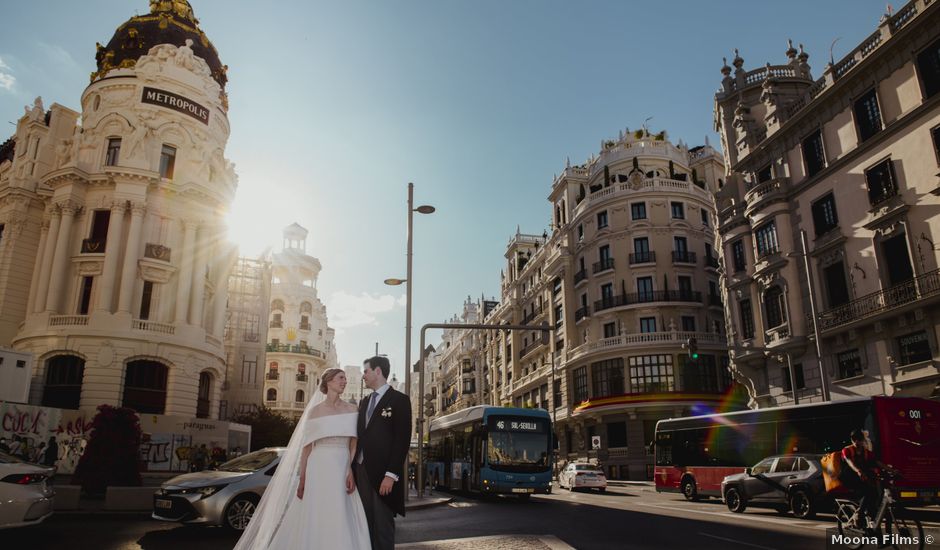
327, 518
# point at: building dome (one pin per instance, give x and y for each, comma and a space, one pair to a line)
169, 22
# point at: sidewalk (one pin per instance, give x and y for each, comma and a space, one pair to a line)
430, 499
498, 542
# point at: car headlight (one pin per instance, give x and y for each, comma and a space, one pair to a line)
204, 492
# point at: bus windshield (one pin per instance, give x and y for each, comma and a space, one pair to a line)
518, 444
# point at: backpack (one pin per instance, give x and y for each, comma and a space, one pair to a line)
832, 470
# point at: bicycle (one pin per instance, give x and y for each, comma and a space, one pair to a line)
889, 528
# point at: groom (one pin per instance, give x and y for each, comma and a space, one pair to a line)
384, 438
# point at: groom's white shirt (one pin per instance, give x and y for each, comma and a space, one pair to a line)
381, 391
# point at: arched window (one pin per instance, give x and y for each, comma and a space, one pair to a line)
299, 397
64, 375
773, 302
277, 305
205, 395
145, 386
272, 394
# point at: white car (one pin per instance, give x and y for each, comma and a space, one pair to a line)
25, 493
582, 476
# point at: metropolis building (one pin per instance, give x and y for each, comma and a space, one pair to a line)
847, 163
113, 265
628, 274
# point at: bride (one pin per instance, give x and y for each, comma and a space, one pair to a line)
312, 502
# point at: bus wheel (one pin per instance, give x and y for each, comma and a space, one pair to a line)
689, 490
802, 504
734, 500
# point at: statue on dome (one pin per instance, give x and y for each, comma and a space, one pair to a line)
37, 112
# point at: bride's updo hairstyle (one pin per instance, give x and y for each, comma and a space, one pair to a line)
327, 376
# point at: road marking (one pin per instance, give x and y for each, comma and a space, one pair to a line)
736, 541
727, 515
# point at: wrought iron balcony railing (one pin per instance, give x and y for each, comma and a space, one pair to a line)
642, 257
580, 276
93, 246
604, 265
916, 289
683, 257
646, 297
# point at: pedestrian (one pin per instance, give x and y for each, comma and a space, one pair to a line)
200, 456
51, 455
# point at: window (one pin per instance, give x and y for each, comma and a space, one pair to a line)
747, 319
64, 376
607, 377
850, 364
867, 115
824, 215
616, 435
681, 245
602, 219
773, 302
167, 162
688, 323
651, 373
797, 373
299, 396
204, 399
559, 317
935, 133
580, 232
85, 300
685, 288
641, 250
638, 210
836, 289
737, 255
145, 299
97, 241
766, 239
145, 386
644, 289
914, 348
678, 210
556, 391
610, 330
648, 324
272, 394
604, 256
704, 217
607, 294
1, 233
763, 174
814, 157
580, 385
881, 181
114, 150
928, 61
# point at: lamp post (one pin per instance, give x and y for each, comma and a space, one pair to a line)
812, 307
423, 209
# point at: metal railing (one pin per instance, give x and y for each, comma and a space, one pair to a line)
646, 297
580, 276
287, 348
581, 313
604, 265
93, 246
683, 257
642, 257
711, 261
273, 375
924, 286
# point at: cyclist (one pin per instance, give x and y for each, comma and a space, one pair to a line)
860, 473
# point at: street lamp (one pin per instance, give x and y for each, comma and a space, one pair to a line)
812, 308
423, 209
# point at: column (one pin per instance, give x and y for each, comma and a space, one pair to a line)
46, 266
131, 255
60, 267
111, 252
228, 258
197, 307
37, 267
185, 277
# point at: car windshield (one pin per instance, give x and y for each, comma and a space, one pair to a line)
251, 462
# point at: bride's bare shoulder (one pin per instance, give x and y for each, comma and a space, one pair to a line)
350, 408
317, 411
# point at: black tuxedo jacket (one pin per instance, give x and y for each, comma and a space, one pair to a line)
385, 443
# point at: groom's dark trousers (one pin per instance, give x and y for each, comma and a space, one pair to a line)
378, 514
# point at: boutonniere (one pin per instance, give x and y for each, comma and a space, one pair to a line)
387, 412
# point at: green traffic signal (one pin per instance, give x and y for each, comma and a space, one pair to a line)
695, 356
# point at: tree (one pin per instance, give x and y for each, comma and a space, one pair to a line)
112, 456
268, 428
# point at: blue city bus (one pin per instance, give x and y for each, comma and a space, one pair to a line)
492, 450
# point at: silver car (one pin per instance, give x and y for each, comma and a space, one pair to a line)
227, 496
790, 482
26, 495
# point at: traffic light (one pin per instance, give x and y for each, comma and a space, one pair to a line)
691, 345
428, 405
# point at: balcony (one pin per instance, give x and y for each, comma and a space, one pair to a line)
711, 261
287, 348
647, 297
647, 339
764, 193
604, 265
301, 377
715, 300
530, 315
157, 252
276, 324
883, 301
273, 375
647, 257
683, 257
581, 313
152, 326
68, 320
93, 246
580, 276
530, 348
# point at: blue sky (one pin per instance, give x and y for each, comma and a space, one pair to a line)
336, 106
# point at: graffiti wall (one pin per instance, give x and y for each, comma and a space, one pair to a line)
165, 446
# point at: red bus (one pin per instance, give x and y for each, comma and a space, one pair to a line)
694, 454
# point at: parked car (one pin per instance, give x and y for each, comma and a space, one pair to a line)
227, 496
26, 495
790, 482
582, 476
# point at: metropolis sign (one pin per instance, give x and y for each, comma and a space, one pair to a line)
177, 103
